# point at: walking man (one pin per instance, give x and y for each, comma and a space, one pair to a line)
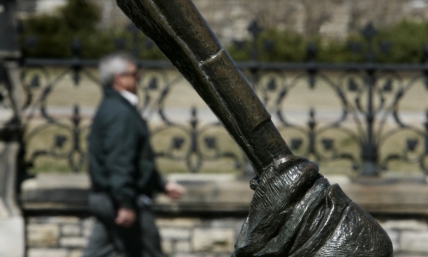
122, 168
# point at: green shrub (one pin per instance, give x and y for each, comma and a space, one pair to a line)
293, 47
54, 34
287, 47
332, 51
406, 39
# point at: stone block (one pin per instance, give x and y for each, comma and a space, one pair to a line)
213, 240
66, 220
187, 255
70, 230
44, 252
55, 220
42, 235
394, 235
178, 222
234, 223
74, 242
414, 242
227, 223
76, 253
218, 255
86, 232
415, 225
88, 222
175, 233
410, 255
201, 255
87, 226
166, 246
182, 247
31, 220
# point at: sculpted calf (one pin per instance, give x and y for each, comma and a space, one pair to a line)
294, 211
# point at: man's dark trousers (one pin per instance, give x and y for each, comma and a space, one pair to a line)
109, 239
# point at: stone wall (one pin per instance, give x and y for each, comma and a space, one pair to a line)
59, 236
409, 236
206, 222
66, 236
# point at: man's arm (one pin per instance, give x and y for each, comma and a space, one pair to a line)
174, 190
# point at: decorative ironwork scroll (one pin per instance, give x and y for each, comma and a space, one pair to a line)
337, 138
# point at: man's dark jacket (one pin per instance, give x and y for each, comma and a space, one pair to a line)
121, 160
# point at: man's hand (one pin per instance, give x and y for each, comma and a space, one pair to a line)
125, 217
174, 190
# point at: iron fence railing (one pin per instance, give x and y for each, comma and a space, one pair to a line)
379, 117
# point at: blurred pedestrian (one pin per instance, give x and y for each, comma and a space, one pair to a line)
122, 168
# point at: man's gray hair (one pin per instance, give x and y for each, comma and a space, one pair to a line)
112, 65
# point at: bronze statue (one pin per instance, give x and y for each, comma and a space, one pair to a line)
294, 211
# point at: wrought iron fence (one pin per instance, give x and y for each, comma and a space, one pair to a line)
367, 116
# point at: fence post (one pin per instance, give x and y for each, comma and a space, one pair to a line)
370, 145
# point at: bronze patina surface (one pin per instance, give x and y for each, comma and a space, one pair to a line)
295, 211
